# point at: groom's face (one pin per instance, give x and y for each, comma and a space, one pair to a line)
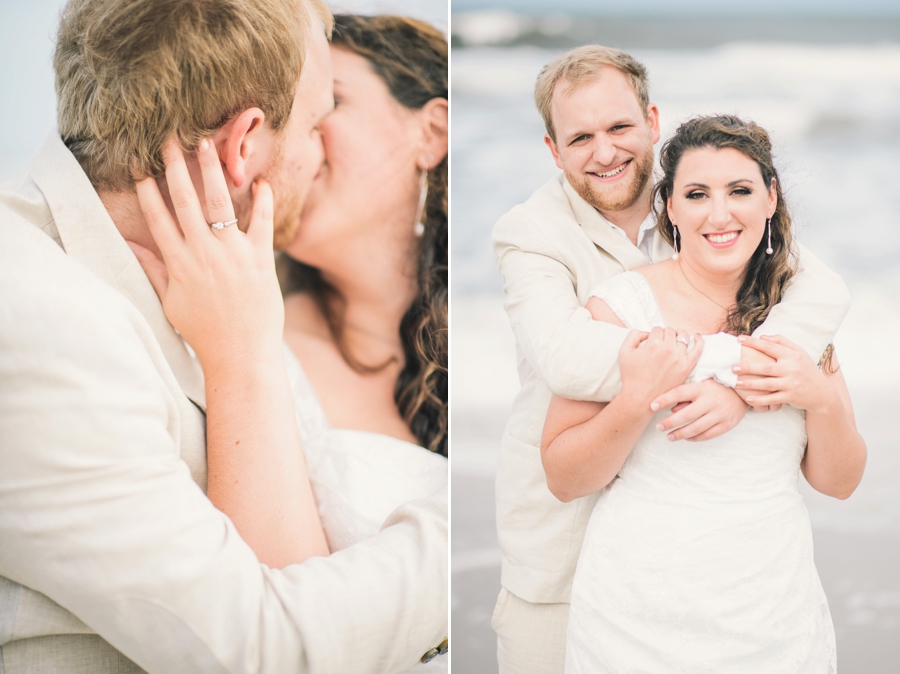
300, 153
604, 140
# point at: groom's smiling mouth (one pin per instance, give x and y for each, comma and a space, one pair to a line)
613, 173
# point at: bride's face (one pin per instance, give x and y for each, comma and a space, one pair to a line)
368, 186
720, 204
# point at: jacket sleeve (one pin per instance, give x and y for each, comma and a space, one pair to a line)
576, 356
812, 309
98, 512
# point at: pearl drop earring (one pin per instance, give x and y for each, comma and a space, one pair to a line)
769, 250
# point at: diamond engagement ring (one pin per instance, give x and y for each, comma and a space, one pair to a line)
683, 340
223, 225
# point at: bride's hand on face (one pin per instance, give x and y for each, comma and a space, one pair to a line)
218, 288
654, 362
790, 378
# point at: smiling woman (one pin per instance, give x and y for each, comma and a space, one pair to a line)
708, 538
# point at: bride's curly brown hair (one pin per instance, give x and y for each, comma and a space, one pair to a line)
411, 57
766, 275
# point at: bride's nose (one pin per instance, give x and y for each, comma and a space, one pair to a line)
719, 212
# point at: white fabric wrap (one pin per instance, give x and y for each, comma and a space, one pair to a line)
721, 352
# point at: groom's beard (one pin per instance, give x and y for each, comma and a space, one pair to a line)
287, 205
620, 195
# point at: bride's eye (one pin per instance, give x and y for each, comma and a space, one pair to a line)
742, 191
696, 194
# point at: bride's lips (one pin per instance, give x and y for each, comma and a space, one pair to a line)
611, 174
722, 239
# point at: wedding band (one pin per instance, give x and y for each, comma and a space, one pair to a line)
683, 340
223, 225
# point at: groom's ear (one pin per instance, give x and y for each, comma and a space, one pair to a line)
554, 150
435, 126
240, 140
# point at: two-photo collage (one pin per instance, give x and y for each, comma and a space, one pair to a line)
470, 336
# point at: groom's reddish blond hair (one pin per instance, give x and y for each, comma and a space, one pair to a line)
581, 65
130, 74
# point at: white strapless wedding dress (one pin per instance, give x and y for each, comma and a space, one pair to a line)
360, 477
698, 557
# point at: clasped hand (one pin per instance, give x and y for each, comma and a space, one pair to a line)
784, 374
218, 289
701, 410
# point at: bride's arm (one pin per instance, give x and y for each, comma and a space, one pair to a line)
219, 290
584, 443
836, 453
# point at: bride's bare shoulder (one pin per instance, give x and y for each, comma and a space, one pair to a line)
656, 272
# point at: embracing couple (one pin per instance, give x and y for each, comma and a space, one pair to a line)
674, 349
198, 476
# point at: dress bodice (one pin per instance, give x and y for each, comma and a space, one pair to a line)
698, 556
360, 477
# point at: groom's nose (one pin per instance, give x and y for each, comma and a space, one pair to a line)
604, 151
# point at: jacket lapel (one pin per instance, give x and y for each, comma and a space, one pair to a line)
89, 236
600, 231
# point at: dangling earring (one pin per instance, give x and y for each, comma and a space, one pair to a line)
675, 241
769, 250
419, 228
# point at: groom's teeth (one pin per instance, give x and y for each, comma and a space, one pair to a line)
615, 171
722, 238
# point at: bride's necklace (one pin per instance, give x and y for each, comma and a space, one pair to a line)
698, 289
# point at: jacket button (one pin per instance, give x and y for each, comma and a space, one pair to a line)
430, 655
444, 647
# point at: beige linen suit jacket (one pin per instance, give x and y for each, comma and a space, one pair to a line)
552, 251
112, 559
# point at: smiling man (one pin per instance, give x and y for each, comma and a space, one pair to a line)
584, 226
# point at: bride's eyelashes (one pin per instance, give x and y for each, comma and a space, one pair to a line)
737, 191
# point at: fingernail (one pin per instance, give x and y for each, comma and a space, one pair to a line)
750, 399
739, 382
671, 438
204, 145
659, 427
736, 369
742, 338
654, 406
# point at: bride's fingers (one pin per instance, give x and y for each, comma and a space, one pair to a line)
710, 433
760, 384
182, 192
768, 347
261, 229
218, 201
760, 369
763, 400
162, 225
153, 267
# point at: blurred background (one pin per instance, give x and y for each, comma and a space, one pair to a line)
824, 79
27, 32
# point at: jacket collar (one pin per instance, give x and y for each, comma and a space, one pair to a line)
600, 230
89, 235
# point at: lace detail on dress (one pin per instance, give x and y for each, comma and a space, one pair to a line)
698, 557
